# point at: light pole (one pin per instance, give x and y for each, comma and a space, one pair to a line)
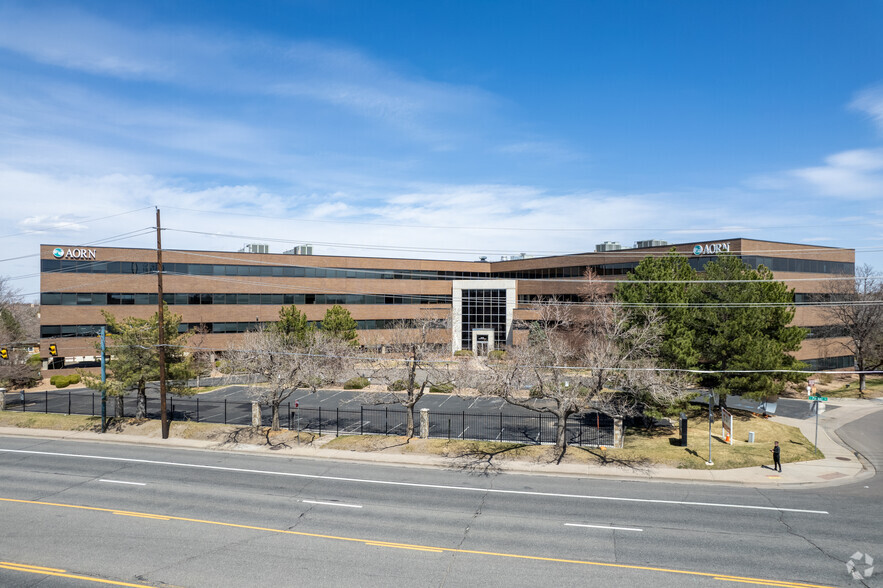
710, 420
103, 381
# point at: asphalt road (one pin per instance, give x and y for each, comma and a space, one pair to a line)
161, 516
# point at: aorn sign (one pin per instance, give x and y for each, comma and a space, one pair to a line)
711, 249
73, 253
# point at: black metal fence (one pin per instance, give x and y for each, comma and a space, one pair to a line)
591, 429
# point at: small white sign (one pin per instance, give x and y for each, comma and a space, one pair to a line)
727, 424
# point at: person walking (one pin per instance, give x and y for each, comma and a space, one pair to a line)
777, 464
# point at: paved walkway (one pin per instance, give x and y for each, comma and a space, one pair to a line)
840, 466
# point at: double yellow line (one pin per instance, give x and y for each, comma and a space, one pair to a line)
16, 567
409, 546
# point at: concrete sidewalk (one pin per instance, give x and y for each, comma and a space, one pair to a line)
840, 466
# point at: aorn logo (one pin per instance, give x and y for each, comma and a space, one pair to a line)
74, 253
711, 249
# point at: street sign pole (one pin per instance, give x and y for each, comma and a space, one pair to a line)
816, 405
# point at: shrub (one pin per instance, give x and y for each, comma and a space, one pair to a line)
535, 392
64, 381
441, 388
496, 354
397, 386
356, 383
462, 353
34, 360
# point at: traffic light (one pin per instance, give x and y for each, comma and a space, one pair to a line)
53, 350
4, 354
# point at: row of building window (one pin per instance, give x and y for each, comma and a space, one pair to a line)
53, 331
183, 298
777, 264
825, 331
830, 363
180, 298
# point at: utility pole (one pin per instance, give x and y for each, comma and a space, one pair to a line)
161, 349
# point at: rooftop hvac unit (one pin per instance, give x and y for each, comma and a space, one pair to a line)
255, 248
608, 246
300, 250
650, 243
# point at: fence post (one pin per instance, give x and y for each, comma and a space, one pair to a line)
337, 421
46, 400
501, 425
68, 403
289, 416
449, 429
463, 425
386, 420
361, 420
617, 432
197, 410
93, 406
320, 421
225, 411
424, 423
540, 429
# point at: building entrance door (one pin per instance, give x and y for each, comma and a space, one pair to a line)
482, 341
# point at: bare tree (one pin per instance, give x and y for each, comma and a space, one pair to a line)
202, 357
577, 358
419, 357
279, 366
856, 307
16, 329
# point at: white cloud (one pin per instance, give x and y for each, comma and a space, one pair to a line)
856, 174
849, 174
72, 39
870, 101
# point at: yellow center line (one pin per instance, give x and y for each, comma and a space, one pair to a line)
404, 546
142, 515
761, 582
747, 580
62, 574
30, 567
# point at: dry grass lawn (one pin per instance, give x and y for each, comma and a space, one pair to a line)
642, 447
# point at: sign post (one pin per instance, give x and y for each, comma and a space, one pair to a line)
727, 425
815, 406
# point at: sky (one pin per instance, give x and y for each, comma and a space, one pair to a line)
444, 130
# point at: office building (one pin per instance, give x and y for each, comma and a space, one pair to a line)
224, 294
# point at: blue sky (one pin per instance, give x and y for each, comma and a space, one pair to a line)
444, 129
